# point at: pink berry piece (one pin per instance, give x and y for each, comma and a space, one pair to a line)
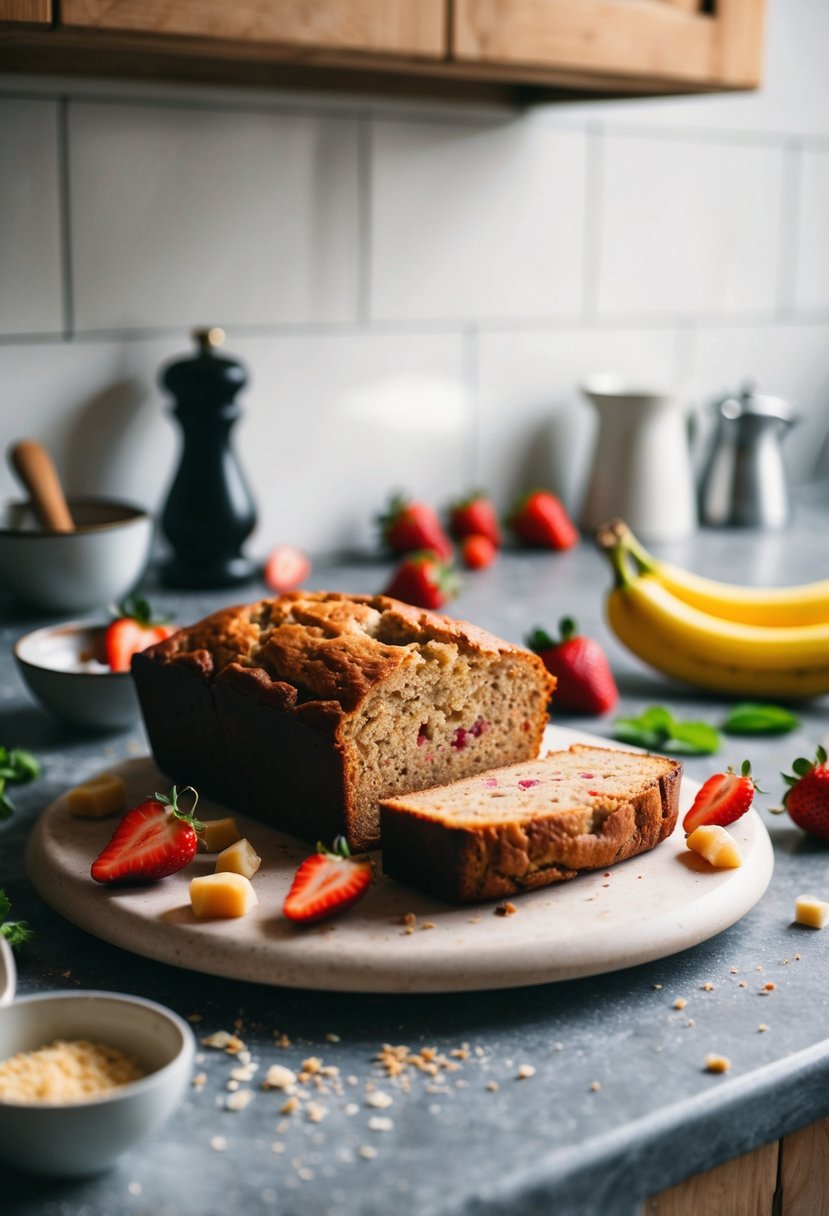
527, 785
459, 739
478, 727
491, 783
586, 776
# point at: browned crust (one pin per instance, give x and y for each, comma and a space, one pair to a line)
472, 864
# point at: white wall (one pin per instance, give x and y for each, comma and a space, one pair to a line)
416, 290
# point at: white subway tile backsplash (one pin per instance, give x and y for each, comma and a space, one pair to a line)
330, 426
536, 428
197, 216
688, 227
30, 241
812, 255
476, 221
787, 360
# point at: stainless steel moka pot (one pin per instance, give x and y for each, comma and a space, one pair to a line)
744, 483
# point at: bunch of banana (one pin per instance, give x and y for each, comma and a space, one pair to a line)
741, 641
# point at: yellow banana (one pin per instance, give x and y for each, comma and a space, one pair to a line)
805, 604
719, 655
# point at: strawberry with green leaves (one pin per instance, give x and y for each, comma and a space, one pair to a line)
807, 798
410, 526
154, 839
133, 630
584, 681
326, 884
475, 515
423, 580
722, 799
541, 519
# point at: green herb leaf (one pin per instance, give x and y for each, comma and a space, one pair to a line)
5, 905
755, 718
657, 729
26, 766
16, 932
6, 805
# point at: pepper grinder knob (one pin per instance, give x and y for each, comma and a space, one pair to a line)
210, 510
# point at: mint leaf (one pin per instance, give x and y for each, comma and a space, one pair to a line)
18, 766
754, 718
16, 932
657, 729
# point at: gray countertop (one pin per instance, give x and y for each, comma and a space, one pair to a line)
619, 1106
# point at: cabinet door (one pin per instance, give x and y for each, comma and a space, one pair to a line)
24, 13
386, 27
703, 43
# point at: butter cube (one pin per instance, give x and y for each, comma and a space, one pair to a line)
100, 796
811, 911
222, 895
218, 834
716, 846
240, 858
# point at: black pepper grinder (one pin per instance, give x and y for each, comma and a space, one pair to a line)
209, 511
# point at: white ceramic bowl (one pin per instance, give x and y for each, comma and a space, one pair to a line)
83, 1138
55, 664
8, 973
99, 562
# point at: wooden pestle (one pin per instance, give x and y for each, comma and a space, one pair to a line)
33, 465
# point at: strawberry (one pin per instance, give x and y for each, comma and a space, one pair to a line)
722, 799
132, 630
477, 551
326, 884
807, 798
409, 526
154, 839
540, 519
424, 580
475, 516
584, 681
286, 568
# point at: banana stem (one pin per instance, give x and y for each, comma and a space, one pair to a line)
612, 539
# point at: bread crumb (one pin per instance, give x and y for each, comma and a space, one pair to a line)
288, 1108
333, 1038
239, 1100
762, 1027
194, 1017
223, 1041
525, 1071
716, 1063
279, 1077
767, 988
352, 1109
379, 1099
135, 1188
380, 1123
232, 1085
278, 1146
506, 909
707, 986
657, 987
218, 1144
492, 1086
558, 1046
474, 920
595, 1086
733, 970
368, 1151
680, 1002
742, 984
199, 1080
316, 1112
428, 924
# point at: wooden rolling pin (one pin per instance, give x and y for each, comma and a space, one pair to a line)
34, 466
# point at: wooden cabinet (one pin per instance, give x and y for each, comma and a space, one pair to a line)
517, 49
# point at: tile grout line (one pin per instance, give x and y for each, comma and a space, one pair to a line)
65, 221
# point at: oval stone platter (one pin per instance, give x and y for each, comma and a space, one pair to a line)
642, 909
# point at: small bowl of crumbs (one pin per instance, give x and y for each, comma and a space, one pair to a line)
84, 1076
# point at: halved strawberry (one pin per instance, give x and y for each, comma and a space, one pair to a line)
286, 568
327, 883
154, 839
722, 799
133, 630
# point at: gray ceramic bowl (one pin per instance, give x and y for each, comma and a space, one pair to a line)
55, 572
56, 664
83, 1138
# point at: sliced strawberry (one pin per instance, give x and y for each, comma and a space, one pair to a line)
410, 526
286, 568
722, 799
475, 516
154, 839
478, 552
326, 884
132, 631
423, 580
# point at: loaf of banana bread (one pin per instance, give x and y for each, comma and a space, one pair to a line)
306, 710
530, 824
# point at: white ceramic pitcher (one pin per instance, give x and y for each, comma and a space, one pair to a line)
642, 462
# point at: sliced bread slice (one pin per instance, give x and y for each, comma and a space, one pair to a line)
530, 824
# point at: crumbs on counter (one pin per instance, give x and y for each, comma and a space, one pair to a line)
525, 1071
680, 1002
717, 1063
506, 909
